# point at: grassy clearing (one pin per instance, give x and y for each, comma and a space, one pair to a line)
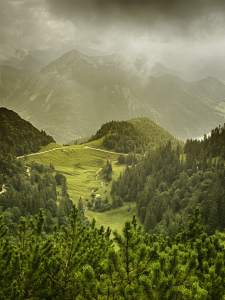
80, 166
105, 190
114, 218
50, 147
95, 143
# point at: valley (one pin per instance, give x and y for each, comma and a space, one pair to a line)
112, 150
126, 168
80, 165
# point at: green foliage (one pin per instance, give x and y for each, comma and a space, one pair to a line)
59, 178
121, 137
208, 148
135, 135
18, 136
82, 263
27, 192
107, 171
156, 134
129, 159
166, 189
25, 189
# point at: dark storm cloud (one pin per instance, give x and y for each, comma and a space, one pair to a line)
25, 24
124, 26
182, 16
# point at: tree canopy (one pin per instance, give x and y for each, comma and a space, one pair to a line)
82, 263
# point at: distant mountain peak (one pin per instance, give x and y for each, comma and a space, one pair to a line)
159, 69
212, 80
67, 61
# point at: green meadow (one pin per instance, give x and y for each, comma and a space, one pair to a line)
115, 217
82, 168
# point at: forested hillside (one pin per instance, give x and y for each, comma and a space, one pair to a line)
121, 137
18, 136
167, 186
156, 134
135, 135
48, 249
26, 187
208, 148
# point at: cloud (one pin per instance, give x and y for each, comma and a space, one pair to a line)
129, 27
26, 24
195, 18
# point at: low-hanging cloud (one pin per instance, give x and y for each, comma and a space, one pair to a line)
129, 27
176, 17
26, 24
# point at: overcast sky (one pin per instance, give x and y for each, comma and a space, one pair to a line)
156, 28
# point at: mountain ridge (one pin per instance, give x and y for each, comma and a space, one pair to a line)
72, 96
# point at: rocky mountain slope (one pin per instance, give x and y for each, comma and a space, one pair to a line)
72, 96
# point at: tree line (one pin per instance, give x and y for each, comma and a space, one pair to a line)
168, 184
19, 137
29, 186
33, 188
121, 137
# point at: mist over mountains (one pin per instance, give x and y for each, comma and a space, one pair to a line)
73, 95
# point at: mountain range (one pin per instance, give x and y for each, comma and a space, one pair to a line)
35, 60
73, 95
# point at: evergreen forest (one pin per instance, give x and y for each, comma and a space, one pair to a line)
82, 263
49, 250
19, 137
167, 185
26, 187
136, 136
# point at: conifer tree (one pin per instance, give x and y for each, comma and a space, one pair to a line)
80, 262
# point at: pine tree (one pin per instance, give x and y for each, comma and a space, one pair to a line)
150, 220
80, 262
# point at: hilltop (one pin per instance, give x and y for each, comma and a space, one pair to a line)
156, 134
135, 135
121, 137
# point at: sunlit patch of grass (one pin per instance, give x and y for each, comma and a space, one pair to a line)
95, 143
50, 147
114, 218
80, 166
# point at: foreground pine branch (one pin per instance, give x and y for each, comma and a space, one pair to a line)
82, 262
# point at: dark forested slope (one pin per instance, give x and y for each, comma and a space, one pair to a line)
167, 186
18, 136
27, 187
156, 134
122, 137
135, 135
207, 148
